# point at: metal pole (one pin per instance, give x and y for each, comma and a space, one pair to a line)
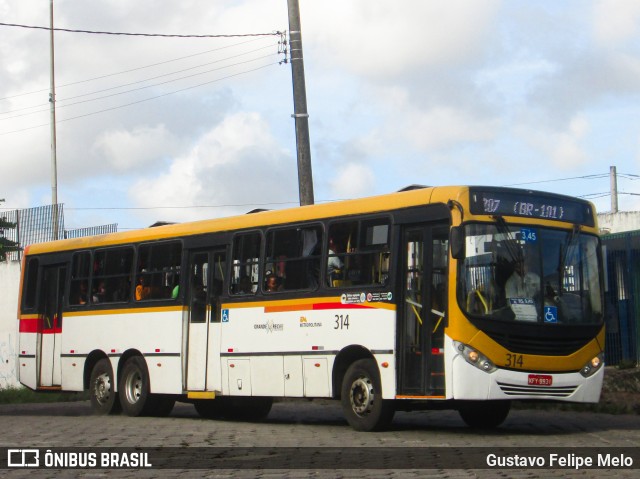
613, 180
305, 177
54, 161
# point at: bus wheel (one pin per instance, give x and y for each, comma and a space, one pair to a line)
248, 408
484, 414
161, 405
362, 402
104, 399
211, 409
134, 388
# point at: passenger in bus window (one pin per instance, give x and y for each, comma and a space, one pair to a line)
334, 264
142, 290
245, 286
100, 293
271, 283
523, 283
82, 297
122, 291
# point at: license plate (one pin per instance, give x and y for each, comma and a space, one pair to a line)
540, 380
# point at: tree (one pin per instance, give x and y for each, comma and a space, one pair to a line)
6, 245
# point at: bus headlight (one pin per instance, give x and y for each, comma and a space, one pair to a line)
475, 357
592, 366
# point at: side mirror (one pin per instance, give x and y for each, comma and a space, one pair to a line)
456, 241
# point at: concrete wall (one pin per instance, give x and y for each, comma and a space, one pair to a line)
9, 286
619, 222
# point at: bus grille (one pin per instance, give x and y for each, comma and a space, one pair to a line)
547, 391
540, 346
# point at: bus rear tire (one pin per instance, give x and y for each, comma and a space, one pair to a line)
484, 414
133, 389
361, 398
161, 405
104, 398
211, 408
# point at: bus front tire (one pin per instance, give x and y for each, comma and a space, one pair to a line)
361, 398
484, 414
133, 389
104, 399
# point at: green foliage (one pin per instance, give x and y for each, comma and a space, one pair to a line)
19, 395
6, 245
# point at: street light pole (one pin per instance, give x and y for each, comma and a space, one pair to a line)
305, 177
54, 161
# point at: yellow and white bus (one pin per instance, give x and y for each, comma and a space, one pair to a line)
463, 298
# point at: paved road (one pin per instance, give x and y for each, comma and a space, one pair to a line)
317, 424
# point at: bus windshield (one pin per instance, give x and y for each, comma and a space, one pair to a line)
530, 274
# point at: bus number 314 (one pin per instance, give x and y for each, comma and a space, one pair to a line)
514, 360
341, 321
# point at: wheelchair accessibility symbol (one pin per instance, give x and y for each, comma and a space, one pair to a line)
550, 314
225, 315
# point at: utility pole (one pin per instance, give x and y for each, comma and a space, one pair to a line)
54, 161
305, 177
613, 181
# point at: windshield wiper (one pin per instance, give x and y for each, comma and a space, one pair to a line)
510, 243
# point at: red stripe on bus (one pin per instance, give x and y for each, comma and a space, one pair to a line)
36, 325
52, 331
340, 306
30, 325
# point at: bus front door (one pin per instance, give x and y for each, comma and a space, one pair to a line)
206, 273
52, 292
422, 314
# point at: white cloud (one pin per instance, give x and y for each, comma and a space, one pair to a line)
237, 163
444, 127
352, 180
563, 150
141, 149
615, 21
390, 38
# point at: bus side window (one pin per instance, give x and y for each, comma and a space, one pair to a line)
358, 253
80, 270
31, 285
246, 256
293, 258
112, 270
158, 271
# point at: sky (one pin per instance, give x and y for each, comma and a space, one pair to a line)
539, 94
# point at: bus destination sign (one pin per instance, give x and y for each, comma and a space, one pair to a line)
529, 204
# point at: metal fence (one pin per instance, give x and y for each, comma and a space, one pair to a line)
44, 223
622, 297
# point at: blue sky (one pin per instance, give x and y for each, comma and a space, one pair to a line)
429, 92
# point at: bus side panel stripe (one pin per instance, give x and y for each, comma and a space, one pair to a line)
30, 325
320, 306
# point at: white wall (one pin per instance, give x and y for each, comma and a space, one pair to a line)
619, 222
9, 286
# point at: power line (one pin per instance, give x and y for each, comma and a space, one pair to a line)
161, 35
147, 86
585, 177
143, 100
127, 71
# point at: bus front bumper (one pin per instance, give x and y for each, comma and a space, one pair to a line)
470, 383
